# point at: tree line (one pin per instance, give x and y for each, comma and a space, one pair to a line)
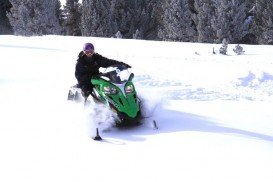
207, 21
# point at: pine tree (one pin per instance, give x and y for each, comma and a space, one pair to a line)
96, 18
131, 17
122, 17
137, 35
177, 23
5, 27
250, 37
149, 19
238, 50
263, 21
205, 10
239, 21
230, 22
34, 17
59, 12
223, 48
140, 19
154, 9
72, 20
118, 35
221, 23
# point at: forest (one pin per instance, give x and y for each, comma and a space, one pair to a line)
204, 21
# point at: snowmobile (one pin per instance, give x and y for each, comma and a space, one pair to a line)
115, 89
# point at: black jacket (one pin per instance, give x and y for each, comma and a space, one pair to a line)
86, 67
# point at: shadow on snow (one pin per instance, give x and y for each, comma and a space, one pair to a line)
29, 47
170, 121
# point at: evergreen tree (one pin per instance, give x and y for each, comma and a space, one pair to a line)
137, 35
250, 37
5, 27
205, 16
230, 22
148, 19
60, 16
140, 19
118, 35
238, 50
239, 21
154, 9
72, 20
96, 18
177, 22
263, 21
222, 24
224, 47
122, 13
131, 17
34, 17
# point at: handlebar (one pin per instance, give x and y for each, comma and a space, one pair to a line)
119, 67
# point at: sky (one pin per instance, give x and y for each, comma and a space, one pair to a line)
214, 113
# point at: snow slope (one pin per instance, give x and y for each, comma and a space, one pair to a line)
214, 114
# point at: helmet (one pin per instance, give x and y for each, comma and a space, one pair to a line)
88, 47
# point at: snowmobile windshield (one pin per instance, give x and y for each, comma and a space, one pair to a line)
116, 75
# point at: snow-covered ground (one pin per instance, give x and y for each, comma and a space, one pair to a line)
214, 114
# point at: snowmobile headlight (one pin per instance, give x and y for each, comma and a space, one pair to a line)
109, 90
129, 89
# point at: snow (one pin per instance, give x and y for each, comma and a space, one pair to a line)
64, 1
214, 113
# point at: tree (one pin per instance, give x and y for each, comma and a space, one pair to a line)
96, 18
238, 50
131, 17
221, 24
230, 22
5, 27
263, 21
148, 19
122, 17
34, 17
250, 37
72, 20
205, 10
177, 22
223, 48
240, 21
59, 12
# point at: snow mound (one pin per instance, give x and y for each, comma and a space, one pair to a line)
255, 79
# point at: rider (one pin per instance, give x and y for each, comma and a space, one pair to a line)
88, 65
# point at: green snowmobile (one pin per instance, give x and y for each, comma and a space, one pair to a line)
115, 89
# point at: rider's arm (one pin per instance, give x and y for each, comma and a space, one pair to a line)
105, 62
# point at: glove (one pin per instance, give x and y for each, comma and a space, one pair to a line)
128, 66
